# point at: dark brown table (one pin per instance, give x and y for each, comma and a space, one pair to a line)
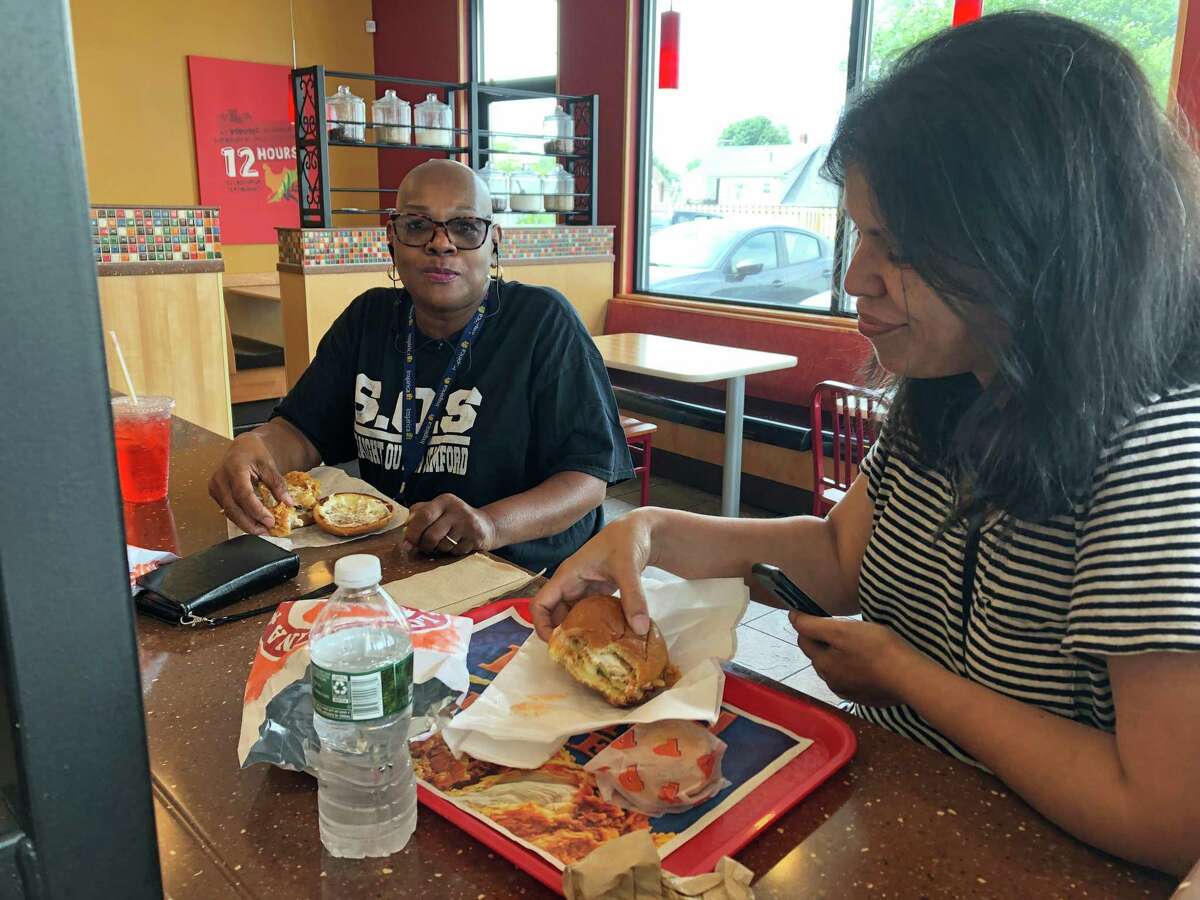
900, 820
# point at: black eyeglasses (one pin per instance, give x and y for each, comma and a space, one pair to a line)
416, 230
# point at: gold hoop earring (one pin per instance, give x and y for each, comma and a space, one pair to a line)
393, 275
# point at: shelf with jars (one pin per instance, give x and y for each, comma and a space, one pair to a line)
568, 139
390, 122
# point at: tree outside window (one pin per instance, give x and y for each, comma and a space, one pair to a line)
1146, 28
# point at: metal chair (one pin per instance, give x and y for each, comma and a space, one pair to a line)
639, 436
854, 414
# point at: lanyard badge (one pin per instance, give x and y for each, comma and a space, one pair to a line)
417, 434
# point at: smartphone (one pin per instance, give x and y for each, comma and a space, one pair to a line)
782, 588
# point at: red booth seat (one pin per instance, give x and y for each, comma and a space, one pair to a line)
777, 403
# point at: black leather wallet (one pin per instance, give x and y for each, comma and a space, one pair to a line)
186, 589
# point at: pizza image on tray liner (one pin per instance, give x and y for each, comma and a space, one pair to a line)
556, 807
557, 810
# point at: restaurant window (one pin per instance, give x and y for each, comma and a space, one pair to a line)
1146, 28
518, 41
517, 46
738, 146
737, 210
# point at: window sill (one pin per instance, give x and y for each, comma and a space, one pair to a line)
819, 321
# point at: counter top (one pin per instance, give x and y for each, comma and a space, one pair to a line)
900, 820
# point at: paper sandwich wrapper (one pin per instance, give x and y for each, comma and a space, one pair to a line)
533, 705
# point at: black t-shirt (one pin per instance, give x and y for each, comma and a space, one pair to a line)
531, 399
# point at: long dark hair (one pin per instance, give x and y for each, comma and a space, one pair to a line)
1027, 174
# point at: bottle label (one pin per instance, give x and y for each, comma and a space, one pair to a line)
362, 696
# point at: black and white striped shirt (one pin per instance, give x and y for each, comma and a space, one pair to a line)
1050, 601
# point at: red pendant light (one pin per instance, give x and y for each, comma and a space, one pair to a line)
668, 50
966, 11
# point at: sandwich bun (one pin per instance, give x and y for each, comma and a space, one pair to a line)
286, 517
305, 490
598, 649
350, 514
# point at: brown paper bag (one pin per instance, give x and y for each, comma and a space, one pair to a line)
628, 868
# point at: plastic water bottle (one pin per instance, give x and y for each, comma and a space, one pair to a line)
362, 666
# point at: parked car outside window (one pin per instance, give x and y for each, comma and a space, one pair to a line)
778, 265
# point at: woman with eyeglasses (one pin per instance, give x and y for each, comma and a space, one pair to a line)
1023, 541
480, 404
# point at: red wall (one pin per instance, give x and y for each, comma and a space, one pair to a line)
413, 40
1188, 90
591, 60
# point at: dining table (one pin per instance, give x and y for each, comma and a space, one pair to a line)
265, 292
696, 363
899, 820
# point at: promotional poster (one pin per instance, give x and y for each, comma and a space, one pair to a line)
245, 146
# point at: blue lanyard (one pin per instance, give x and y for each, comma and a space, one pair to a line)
416, 437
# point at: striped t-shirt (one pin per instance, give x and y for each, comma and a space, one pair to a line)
1049, 601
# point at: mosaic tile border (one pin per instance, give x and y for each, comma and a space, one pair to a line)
568, 240
324, 248
141, 236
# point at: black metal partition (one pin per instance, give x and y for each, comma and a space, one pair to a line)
583, 111
313, 141
76, 816
470, 145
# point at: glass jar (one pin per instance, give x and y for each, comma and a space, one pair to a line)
497, 183
346, 116
434, 122
559, 188
559, 131
395, 118
526, 191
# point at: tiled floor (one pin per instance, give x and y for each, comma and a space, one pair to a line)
766, 642
671, 494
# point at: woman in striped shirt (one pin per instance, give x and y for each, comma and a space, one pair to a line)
1023, 541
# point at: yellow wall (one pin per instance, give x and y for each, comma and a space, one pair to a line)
587, 285
131, 66
150, 313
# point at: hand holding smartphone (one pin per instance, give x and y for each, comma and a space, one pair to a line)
784, 589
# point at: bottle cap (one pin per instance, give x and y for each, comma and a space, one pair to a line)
357, 571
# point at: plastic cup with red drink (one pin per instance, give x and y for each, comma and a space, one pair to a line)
142, 429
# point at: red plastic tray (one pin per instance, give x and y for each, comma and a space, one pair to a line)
833, 745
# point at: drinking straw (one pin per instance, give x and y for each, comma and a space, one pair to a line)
124, 368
